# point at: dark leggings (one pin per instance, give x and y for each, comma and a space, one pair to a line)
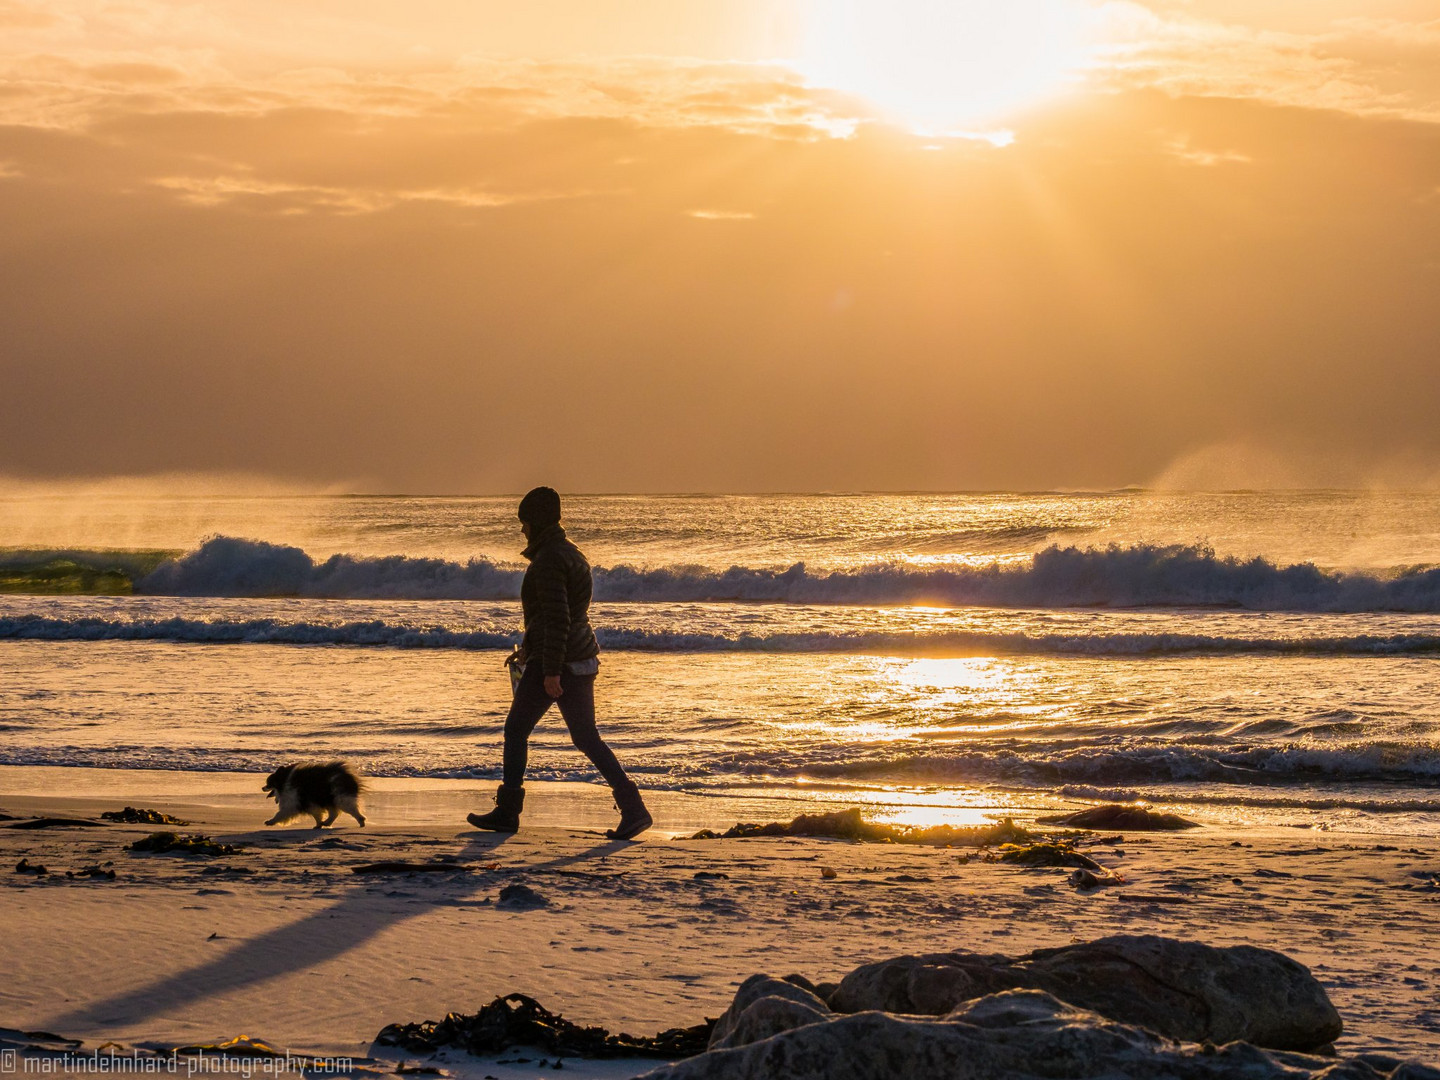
577, 707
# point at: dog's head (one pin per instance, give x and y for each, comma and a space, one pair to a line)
277, 780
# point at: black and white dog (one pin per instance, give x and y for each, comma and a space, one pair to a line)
315, 788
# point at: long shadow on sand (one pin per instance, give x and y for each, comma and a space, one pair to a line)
358, 916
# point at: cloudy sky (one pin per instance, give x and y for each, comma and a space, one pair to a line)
647, 245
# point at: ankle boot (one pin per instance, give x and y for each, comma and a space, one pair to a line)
509, 801
634, 818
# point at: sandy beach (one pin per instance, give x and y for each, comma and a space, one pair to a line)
284, 942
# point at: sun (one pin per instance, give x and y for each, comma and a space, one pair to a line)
943, 67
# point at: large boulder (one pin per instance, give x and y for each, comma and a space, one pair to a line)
1181, 989
929, 985
763, 1007
1010, 1036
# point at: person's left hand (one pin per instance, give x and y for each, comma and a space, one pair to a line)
552, 685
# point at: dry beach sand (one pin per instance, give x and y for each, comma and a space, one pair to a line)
282, 941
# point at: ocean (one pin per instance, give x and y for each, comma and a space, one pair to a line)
1246, 657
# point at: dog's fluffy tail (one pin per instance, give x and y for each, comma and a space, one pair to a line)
344, 781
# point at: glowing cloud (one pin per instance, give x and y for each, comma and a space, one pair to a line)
937, 65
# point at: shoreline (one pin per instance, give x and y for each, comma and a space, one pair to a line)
437, 800
235, 799
283, 942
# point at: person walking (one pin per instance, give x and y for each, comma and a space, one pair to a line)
560, 659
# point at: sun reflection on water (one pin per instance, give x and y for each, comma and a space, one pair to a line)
918, 806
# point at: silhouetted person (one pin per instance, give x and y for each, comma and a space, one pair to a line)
561, 659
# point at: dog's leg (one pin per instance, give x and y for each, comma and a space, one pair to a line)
351, 806
318, 823
285, 809
330, 816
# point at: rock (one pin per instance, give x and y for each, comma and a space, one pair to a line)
1085, 880
1008, 1036
802, 982
56, 823
929, 985
1188, 990
519, 897
763, 1007
1121, 816
1184, 990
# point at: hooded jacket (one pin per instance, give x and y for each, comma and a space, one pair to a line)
555, 600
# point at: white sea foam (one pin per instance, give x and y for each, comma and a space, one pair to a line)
1228, 796
1118, 577
381, 633
1380, 777
227, 566
1123, 768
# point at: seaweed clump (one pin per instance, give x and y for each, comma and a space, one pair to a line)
1086, 875
518, 1020
131, 816
1049, 853
851, 825
242, 1046
161, 843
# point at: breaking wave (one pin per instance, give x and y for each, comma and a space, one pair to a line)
227, 566
1116, 771
1384, 777
380, 633
1057, 577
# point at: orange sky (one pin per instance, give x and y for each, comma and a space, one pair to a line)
642, 245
